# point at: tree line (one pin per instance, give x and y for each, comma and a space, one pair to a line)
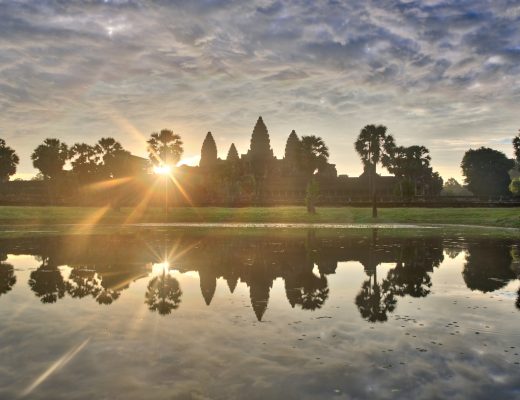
486, 170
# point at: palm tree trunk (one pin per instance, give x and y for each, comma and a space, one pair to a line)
374, 198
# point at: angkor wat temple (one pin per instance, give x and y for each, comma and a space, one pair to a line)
257, 176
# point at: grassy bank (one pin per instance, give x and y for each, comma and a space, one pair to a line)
499, 217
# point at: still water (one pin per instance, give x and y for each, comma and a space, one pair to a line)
167, 313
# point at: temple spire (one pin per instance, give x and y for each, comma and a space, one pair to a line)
260, 142
208, 153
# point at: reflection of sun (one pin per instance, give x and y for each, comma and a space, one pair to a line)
160, 268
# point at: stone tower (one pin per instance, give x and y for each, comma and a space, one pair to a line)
208, 153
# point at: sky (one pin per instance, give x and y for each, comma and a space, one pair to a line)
443, 74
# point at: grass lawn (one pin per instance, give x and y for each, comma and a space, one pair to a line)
499, 217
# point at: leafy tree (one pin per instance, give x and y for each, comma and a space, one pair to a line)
84, 162
165, 147
373, 146
163, 294
488, 266
8, 161
50, 157
47, 283
208, 153
486, 172
453, 188
514, 187
7, 277
516, 146
313, 157
114, 159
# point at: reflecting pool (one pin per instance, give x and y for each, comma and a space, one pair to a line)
207, 313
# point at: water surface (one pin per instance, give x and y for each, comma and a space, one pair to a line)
171, 312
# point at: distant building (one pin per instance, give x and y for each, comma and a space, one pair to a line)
281, 181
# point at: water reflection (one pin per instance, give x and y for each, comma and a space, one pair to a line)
7, 278
103, 267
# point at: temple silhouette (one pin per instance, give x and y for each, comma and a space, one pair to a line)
257, 176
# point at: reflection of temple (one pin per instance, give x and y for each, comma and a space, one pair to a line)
102, 267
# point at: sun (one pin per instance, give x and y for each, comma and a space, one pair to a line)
162, 169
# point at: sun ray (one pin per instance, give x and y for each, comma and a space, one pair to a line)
54, 367
88, 223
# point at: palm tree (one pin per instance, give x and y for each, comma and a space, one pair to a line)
8, 161
516, 147
113, 158
165, 147
373, 145
314, 156
50, 157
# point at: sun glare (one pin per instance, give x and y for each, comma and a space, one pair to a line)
162, 169
160, 268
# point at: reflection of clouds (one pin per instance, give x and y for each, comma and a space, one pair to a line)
220, 352
416, 66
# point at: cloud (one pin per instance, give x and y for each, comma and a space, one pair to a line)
326, 67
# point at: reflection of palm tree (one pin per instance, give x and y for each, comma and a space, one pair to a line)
375, 300
47, 283
163, 294
7, 278
517, 303
308, 291
83, 282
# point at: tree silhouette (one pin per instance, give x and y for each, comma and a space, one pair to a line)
453, 188
373, 146
83, 282
488, 266
516, 147
7, 277
165, 147
416, 260
50, 157
486, 172
309, 291
314, 156
47, 283
114, 159
375, 300
8, 161
163, 294
411, 165
84, 162
208, 152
